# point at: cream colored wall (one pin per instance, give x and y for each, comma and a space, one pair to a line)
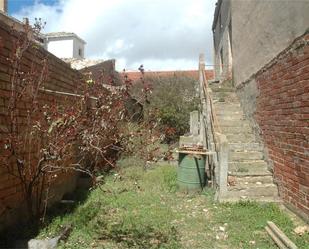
262, 29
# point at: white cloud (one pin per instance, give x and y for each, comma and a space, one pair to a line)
157, 33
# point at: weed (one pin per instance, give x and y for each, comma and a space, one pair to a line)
142, 209
242, 170
130, 162
247, 220
170, 177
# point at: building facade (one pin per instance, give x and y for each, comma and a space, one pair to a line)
248, 34
263, 47
4, 5
65, 45
222, 34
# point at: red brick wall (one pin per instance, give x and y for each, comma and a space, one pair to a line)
283, 116
61, 78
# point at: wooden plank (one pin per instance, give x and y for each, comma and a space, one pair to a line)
281, 236
275, 238
196, 152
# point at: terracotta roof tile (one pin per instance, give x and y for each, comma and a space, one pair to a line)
136, 75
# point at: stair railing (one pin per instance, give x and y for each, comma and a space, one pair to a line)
212, 136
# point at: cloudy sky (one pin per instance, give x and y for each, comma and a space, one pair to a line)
161, 34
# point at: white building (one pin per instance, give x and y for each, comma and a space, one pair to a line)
65, 45
4, 5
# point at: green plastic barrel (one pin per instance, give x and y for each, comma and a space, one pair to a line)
191, 172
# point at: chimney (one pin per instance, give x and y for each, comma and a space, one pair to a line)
25, 20
4, 5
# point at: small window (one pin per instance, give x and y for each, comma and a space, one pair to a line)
221, 57
80, 52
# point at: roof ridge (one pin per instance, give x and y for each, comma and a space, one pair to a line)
63, 34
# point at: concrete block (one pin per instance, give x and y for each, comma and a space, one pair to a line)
194, 123
241, 138
250, 190
189, 141
245, 146
245, 156
223, 164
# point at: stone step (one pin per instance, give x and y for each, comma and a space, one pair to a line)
223, 89
226, 113
253, 190
260, 172
223, 116
260, 199
240, 156
241, 137
225, 97
234, 123
249, 168
225, 92
228, 106
235, 129
214, 84
221, 111
246, 167
237, 146
249, 164
230, 117
253, 180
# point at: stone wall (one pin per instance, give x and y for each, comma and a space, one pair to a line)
61, 78
276, 99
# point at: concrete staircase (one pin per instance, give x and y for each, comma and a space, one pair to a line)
248, 174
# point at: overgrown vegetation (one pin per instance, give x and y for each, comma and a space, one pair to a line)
134, 206
141, 209
172, 99
76, 132
126, 212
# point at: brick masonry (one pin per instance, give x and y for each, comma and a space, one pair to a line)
279, 107
104, 71
60, 78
